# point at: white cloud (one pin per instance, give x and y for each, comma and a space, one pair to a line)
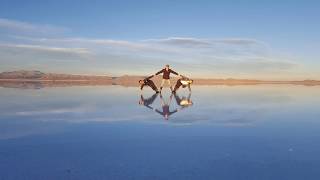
72, 110
232, 55
185, 49
97, 44
40, 48
25, 27
238, 56
180, 41
198, 42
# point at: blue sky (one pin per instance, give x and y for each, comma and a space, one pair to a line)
244, 38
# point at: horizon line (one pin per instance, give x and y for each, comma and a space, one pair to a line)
202, 78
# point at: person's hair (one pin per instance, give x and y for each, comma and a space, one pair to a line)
167, 65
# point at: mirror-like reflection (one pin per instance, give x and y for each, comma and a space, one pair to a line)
165, 111
101, 132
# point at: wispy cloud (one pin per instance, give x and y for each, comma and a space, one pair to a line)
236, 55
196, 42
26, 27
175, 48
202, 56
98, 44
57, 111
46, 48
179, 41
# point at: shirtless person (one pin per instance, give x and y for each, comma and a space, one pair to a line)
166, 76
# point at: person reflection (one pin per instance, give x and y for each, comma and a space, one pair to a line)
183, 102
166, 108
149, 101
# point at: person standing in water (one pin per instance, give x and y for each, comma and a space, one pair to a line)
166, 76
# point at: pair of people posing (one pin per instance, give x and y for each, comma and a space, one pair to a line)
183, 81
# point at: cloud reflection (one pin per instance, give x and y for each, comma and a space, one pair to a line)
25, 110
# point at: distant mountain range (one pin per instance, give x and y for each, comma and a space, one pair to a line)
38, 79
40, 76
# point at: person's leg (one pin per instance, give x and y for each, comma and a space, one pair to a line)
153, 86
189, 87
161, 86
169, 83
178, 99
150, 100
178, 84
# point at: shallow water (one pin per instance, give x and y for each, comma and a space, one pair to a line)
105, 132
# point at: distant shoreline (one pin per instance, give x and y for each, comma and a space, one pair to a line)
40, 79
133, 82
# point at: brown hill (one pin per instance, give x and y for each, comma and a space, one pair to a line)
22, 75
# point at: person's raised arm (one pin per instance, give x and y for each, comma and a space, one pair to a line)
185, 77
141, 87
173, 72
161, 71
147, 78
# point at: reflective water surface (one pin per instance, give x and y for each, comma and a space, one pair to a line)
113, 132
